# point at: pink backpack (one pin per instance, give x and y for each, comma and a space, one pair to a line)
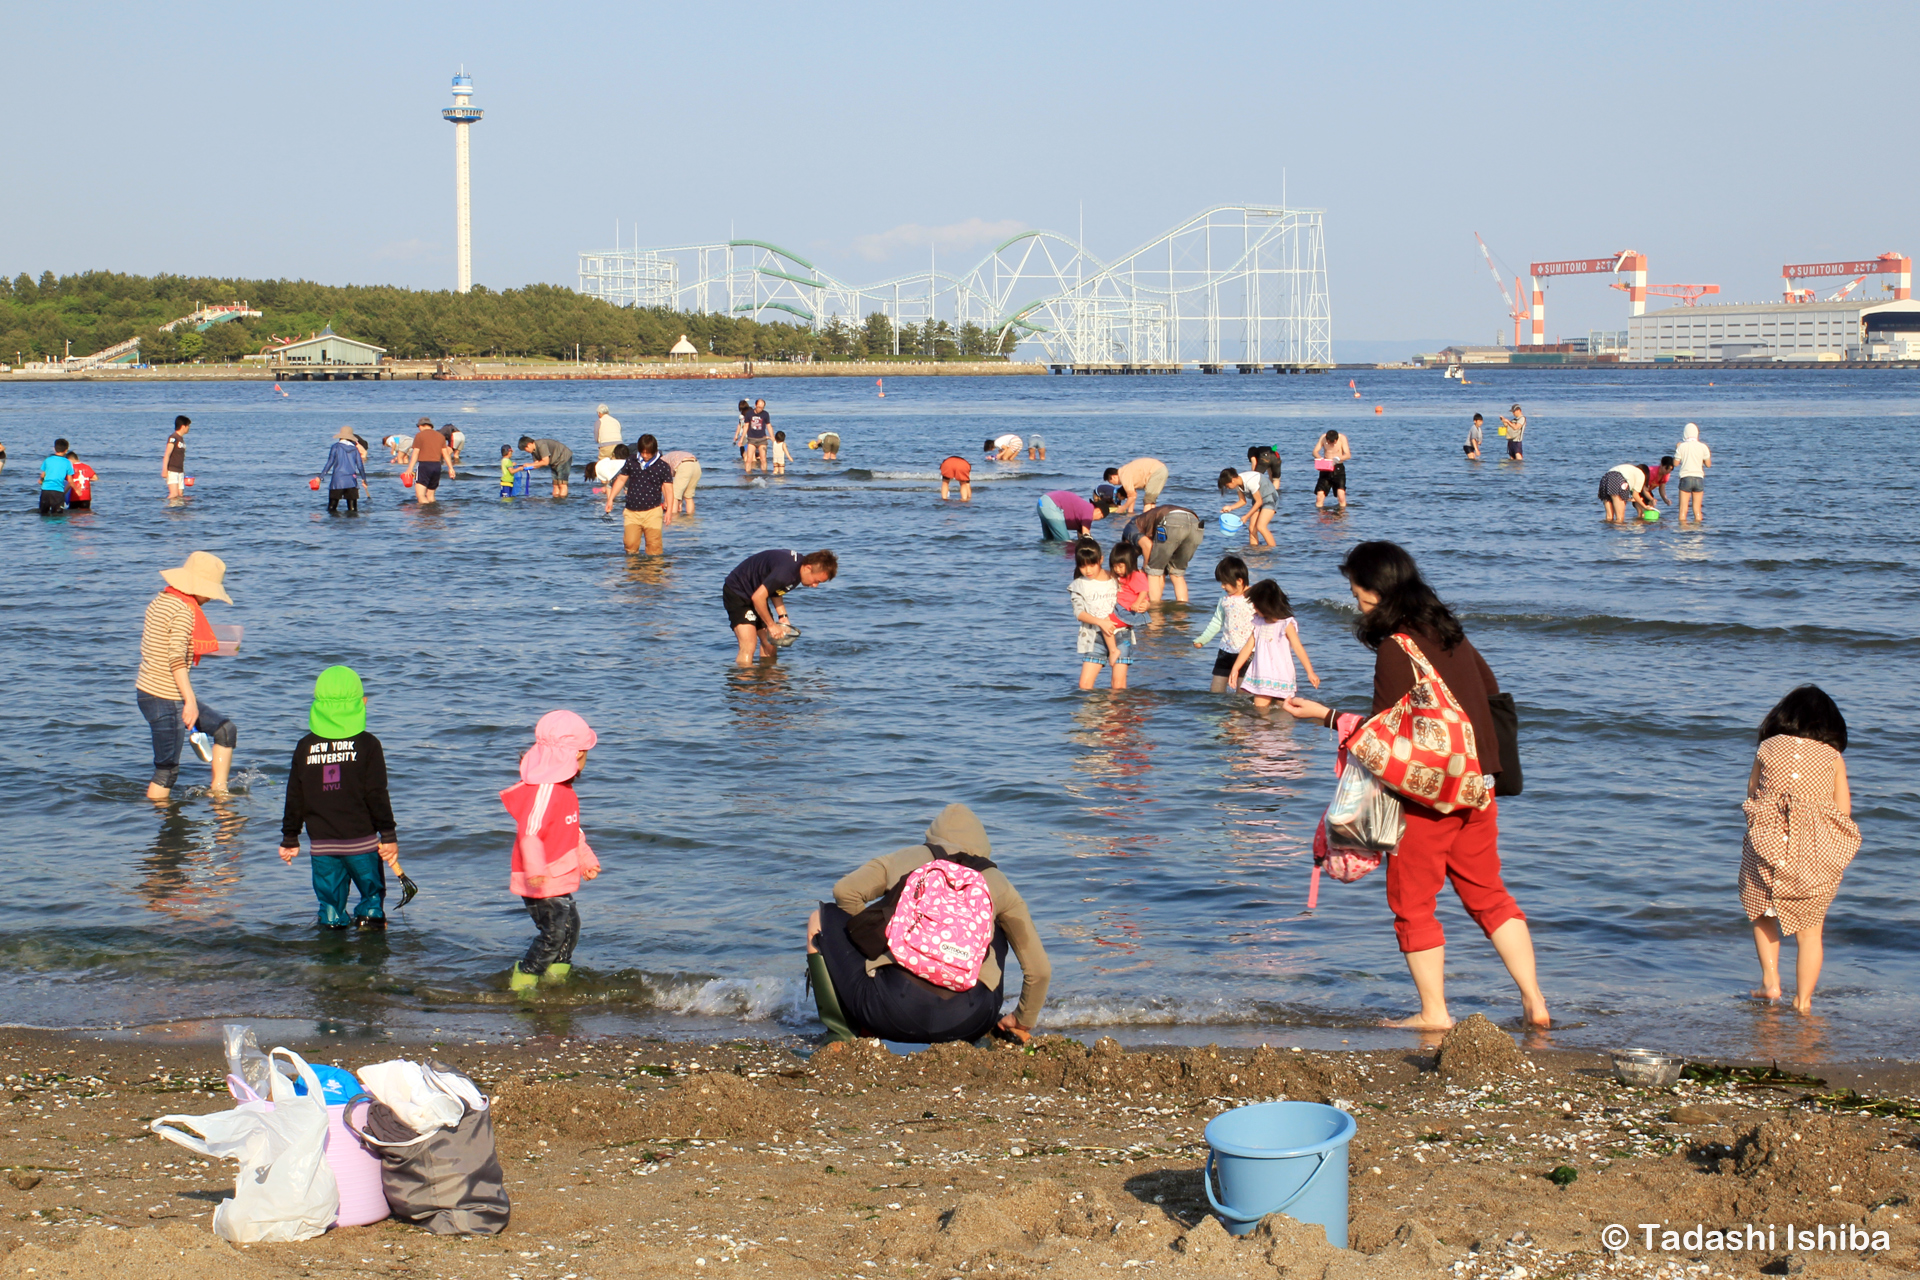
943, 924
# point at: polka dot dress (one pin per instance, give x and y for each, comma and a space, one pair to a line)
1798, 843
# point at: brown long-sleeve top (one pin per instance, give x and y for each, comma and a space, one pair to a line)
1465, 672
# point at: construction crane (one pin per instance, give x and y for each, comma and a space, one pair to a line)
1689, 294
1629, 260
1514, 309
1897, 265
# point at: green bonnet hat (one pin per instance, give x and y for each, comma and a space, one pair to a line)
339, 706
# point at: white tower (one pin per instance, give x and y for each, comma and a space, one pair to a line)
461, 115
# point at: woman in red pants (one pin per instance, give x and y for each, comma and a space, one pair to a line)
1462, 846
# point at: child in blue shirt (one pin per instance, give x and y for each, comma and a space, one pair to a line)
53, 480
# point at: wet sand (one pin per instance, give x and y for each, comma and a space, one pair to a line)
639, 1158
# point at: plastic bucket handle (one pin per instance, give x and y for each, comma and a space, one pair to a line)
1206, 1180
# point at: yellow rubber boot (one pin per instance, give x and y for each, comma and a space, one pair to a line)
520, 982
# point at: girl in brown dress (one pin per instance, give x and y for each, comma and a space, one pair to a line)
1800, 835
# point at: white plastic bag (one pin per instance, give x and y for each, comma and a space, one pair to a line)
285, 1190
1364, 817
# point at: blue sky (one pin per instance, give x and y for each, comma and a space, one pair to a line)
305, 141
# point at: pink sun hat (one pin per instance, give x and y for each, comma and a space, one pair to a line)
558, 740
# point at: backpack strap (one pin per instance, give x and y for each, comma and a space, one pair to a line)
968, 860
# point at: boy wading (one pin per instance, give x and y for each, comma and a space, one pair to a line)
337, 789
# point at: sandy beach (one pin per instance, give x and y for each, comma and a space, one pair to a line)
653, 1159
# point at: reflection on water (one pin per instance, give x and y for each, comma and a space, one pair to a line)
192, 863
1112, 757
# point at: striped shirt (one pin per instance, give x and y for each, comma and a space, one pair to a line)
166, 641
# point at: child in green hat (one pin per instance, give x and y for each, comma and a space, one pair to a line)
337, 789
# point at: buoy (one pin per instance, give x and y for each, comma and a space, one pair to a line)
314, 483
1378, 409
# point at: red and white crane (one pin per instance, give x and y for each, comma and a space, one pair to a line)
1517, 312
1629, 260
1897, 265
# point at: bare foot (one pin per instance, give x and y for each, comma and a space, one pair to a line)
1538, 1019
158, 794
1803, 1006
1419, 1022
1769, 994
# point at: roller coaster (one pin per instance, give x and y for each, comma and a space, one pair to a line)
1242, 285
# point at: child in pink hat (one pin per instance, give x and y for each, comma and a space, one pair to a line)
550, 855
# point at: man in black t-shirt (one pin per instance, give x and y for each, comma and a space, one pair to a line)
753, 595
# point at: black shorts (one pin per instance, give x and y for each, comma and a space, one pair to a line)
427, 475
52, 501
79, 504
1223, 662
740, 611
1513, 448
1331, 481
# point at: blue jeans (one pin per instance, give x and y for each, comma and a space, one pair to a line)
1053, 521
331, 874
170, 733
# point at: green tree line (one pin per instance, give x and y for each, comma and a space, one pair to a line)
96, 309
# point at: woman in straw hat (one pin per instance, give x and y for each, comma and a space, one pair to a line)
344, 474
176, 636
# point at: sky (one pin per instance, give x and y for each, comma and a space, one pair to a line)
270, 141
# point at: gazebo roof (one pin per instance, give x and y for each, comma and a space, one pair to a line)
685, 348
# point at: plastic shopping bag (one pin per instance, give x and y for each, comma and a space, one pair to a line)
1365, 817
285, 1190
1359, 829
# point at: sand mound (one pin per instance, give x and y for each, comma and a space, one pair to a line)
715, 1104
1811, 1157
172, 1252
1476, 1050
1060, 1063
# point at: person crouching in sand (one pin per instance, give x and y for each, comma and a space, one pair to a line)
1800, 836
550, 854
870, 973
337, 790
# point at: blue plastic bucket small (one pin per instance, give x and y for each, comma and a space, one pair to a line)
1232, 522
1281, 1157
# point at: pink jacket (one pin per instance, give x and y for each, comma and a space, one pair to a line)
555, 848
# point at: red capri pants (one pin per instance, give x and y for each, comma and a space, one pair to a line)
1462, 846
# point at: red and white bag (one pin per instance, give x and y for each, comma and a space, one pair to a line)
943, 924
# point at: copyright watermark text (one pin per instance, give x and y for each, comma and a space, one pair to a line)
1657, 1237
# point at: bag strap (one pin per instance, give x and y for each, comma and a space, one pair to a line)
1425, 670
1417, 658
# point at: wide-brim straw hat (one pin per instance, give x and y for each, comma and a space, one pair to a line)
345, 433
201, 575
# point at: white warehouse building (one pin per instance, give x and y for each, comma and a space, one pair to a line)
1845, 330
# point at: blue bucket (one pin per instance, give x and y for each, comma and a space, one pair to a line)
1281, 1157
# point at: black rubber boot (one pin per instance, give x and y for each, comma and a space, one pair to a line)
827, 1003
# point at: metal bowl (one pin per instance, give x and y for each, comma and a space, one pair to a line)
1646, 1068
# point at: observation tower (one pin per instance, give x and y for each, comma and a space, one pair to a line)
461, 115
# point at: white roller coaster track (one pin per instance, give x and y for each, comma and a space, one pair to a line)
1234, 284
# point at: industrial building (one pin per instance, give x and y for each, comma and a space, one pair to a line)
1842, 330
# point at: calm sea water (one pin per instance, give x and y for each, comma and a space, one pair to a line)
1162, 835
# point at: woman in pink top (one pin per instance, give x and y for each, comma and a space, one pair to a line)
550, 855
